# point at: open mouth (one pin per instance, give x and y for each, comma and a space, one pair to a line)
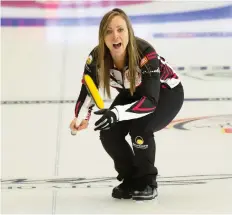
117, 45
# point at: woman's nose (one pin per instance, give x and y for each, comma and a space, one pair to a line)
115, 34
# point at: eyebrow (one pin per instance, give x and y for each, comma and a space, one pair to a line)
116, 26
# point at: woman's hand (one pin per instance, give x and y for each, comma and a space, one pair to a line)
83, 125
75, 127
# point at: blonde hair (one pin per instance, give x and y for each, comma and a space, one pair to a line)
105, 61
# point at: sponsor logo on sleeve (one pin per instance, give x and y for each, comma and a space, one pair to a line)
149, 72
151, 55
143, 61
89, 60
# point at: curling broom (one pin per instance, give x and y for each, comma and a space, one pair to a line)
94, 93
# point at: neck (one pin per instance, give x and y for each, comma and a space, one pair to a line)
119, 61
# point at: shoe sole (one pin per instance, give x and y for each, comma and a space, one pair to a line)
141, 198
121, 197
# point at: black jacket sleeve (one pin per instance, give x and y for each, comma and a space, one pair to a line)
84, 103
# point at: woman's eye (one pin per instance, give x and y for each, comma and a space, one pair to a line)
108, 31
120, 29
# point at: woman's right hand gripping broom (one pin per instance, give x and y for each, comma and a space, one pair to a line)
95, 95
75, 126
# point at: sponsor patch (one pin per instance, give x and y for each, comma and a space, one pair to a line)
151, 55
139, 140
143, 61
139, 143
153, 71
89, 60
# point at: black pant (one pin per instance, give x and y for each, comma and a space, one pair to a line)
138, 164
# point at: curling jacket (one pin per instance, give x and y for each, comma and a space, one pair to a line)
153, 72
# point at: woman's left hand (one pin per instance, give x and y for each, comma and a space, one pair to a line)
108, 119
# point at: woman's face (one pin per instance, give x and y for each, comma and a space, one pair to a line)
117, 38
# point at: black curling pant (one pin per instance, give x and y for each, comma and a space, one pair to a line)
138, 164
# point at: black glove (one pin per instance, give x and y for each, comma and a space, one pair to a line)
108, 119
